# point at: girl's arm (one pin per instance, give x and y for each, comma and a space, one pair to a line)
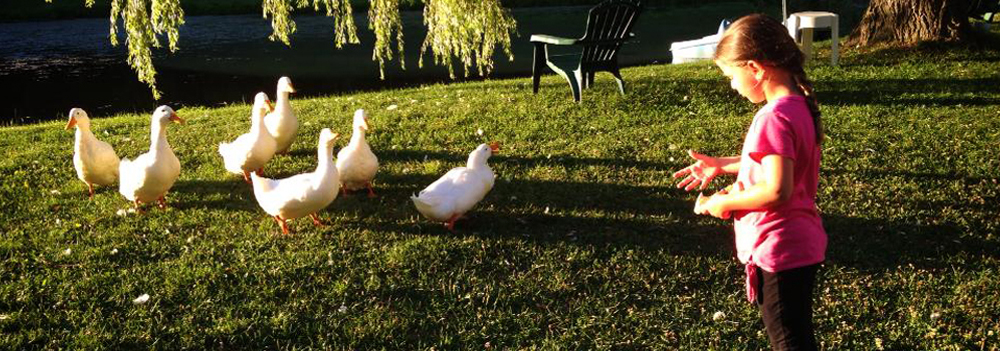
775, 189
730, 164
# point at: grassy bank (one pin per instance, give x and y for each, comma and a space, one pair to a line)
583, 243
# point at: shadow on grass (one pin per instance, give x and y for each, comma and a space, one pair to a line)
885, 245
911, 92
982, 48
231, 194
501, 160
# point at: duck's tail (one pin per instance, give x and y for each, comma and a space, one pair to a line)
260, 184
426, 205
125, 179
229, 162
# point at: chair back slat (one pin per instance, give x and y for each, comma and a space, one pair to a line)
609, 20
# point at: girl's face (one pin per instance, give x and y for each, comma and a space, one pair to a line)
745, 78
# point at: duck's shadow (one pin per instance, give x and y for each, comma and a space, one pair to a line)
231, 195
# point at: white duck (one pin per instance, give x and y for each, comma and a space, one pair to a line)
95, 161
302, 194
282, 122
459, 190
251, 151
356, 163
150, 176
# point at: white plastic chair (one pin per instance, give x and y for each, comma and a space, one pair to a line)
806, 22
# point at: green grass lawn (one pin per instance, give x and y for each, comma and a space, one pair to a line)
584, 243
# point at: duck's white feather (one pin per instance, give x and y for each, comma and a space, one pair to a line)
252, 150
95, 161
152, 174
356, 162
303, 194
458, 191
282, 122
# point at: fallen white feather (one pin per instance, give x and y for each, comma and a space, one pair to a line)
718, 316
141, 299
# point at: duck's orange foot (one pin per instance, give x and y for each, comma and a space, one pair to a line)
283, 224
371, 192
450, 224
316, 221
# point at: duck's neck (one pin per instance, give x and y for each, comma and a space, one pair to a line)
82, 135
358, 137
476, 164
325, 165
282, 102
257, 125
158, 139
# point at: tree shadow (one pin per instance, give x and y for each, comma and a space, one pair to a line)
982, 48
871, 244
912, 92
877, 244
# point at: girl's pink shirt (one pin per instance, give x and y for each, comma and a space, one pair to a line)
791, 234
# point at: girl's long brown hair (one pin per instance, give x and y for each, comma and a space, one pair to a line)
765, 40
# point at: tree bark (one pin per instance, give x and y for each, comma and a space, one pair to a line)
907, 22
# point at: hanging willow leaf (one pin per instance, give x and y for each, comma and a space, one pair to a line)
143, 20
384, 20
282, 24
467, 29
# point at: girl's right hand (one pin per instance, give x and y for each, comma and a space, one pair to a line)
700, 173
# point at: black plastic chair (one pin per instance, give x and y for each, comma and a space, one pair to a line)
608, 27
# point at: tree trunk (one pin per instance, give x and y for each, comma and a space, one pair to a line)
909, 22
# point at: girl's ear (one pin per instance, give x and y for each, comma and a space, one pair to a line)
756, 69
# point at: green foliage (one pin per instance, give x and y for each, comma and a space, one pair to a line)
384, 20
143, 20
468, 29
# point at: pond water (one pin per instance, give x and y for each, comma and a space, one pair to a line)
46, 68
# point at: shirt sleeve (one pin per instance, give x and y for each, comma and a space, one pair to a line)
775, 137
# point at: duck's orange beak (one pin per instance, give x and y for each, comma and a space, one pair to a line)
72, 123
291, 89
495, 147
270, 107
365, 124
176, 119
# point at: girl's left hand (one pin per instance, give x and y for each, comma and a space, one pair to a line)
712, 205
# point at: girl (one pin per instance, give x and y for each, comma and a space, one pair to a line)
779, 235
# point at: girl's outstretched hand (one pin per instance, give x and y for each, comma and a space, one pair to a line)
700, 173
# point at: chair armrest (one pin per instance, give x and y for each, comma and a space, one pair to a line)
602, 41
553, 40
